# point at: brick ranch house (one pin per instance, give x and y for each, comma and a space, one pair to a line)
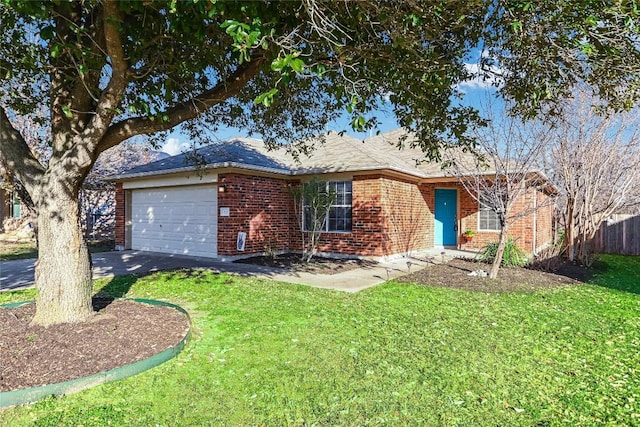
239, 202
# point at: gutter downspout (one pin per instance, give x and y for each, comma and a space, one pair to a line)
535, 222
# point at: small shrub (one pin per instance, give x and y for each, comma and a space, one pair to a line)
560, 238
512, 256
548, 259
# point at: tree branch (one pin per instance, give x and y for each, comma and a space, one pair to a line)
59, 89
85, 90
112, 95
185, 110
87, 142
17, 155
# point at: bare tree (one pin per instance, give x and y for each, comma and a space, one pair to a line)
503, 170
312, 201
97, 196
596, 162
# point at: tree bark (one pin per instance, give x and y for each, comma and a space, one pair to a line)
497, 261
63, 272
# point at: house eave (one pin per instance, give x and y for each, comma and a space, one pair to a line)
275, 171
368, 168
222, 165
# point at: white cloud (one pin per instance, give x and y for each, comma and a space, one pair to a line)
480, 82
173, 146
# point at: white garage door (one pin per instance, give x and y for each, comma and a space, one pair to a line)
175, 220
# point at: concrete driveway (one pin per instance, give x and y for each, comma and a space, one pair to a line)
19, 274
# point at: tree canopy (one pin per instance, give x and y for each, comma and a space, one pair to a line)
108, 70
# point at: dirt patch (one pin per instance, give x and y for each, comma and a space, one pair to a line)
121, 332
455, 274
317, 265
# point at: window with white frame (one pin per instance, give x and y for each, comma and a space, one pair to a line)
488, 219
16, 206
338, 216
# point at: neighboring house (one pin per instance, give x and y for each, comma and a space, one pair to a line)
387, 202
10, 205
5, 206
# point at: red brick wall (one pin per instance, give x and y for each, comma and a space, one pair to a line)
368, 236
389, 216
120, 215
544, 220
521, 230
409, 218
259, 206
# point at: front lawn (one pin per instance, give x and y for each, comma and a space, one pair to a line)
17, 250
10, 251
267, 353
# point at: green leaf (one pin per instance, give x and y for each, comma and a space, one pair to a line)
266, 98
586, 48
55, 50
591, 21
352, 104
358, 124
67, 111
297, 65
278, 64
47, 33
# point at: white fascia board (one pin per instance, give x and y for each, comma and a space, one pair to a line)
172, 180
193, 169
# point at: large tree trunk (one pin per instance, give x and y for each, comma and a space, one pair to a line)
63, 271
497, 261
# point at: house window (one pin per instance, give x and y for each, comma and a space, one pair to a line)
488, 219
16, 209
338, 217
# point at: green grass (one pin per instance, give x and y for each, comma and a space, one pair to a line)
273, 354
10, 251
18, 250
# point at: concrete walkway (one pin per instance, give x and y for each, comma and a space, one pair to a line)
19, 274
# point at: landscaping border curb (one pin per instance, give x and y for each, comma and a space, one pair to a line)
32, 395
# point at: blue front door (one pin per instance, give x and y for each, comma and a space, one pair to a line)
445, 218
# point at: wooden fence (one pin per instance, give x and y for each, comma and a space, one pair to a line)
619, 235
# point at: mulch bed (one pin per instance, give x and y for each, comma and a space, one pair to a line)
121, 332
317, 265
455, 274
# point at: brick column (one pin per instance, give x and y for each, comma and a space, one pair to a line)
120, 216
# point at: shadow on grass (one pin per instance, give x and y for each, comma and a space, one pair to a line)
619, 272
118, 287
577, 271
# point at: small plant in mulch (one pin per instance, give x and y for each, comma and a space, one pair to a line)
456, 274
512, 256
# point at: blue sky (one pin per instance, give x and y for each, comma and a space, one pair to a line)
475, 90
